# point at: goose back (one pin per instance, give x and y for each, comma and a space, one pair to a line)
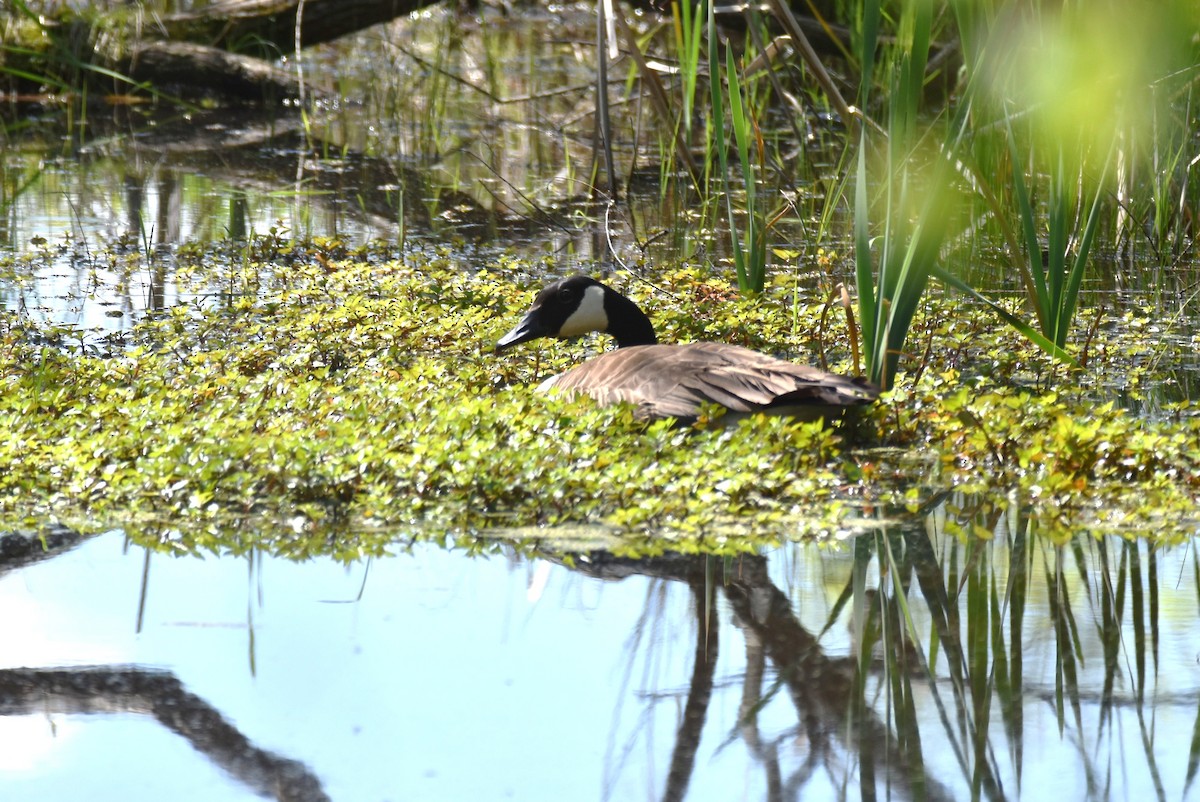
675, 380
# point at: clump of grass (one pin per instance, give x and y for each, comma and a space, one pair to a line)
1049, 130
893, 267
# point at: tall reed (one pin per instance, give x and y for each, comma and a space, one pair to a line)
892, 267
749, 249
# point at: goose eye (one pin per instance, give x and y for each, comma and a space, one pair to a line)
567, 295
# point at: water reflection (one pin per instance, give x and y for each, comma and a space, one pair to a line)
906, 664
99, 228
102, 690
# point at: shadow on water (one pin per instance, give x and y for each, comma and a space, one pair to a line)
908, 665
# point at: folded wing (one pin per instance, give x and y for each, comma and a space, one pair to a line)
675, 380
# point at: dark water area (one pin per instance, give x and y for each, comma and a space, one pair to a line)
1015, 668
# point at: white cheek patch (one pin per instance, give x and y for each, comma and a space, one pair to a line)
589, 316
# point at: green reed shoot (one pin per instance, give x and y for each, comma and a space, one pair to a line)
689, 33
1173, 183
914, 206
1055, 282
750, 251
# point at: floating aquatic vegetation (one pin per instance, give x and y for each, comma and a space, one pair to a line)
334, 407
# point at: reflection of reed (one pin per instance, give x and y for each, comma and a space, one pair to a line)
130, 690
961, 649
825, 691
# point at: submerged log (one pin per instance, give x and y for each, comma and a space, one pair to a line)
209, 70
274, 22
228, 48
189, 53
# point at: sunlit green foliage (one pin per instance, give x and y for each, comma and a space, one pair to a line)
330, 406
1063, 102
1071, 466
363, 396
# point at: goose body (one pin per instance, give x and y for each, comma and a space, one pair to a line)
674, 380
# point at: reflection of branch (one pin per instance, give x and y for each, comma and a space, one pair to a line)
20, 549
683, 760
819, 687
752, 699
110, 690
822, 689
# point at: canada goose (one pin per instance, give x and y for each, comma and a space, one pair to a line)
674, 380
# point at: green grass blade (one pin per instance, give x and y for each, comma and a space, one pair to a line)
864, 271
905, 100
1059, 227
740, 122
1041, 300
1075, 279
689, 24
866, 58
718, 129
717, 94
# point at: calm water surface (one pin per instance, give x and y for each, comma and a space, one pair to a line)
431, 675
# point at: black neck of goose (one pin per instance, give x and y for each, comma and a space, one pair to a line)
627, 324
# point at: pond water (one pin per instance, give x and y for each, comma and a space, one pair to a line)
433, 675
903, 664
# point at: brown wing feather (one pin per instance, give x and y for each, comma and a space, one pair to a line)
674, 380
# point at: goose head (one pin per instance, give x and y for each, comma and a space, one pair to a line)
577, 305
